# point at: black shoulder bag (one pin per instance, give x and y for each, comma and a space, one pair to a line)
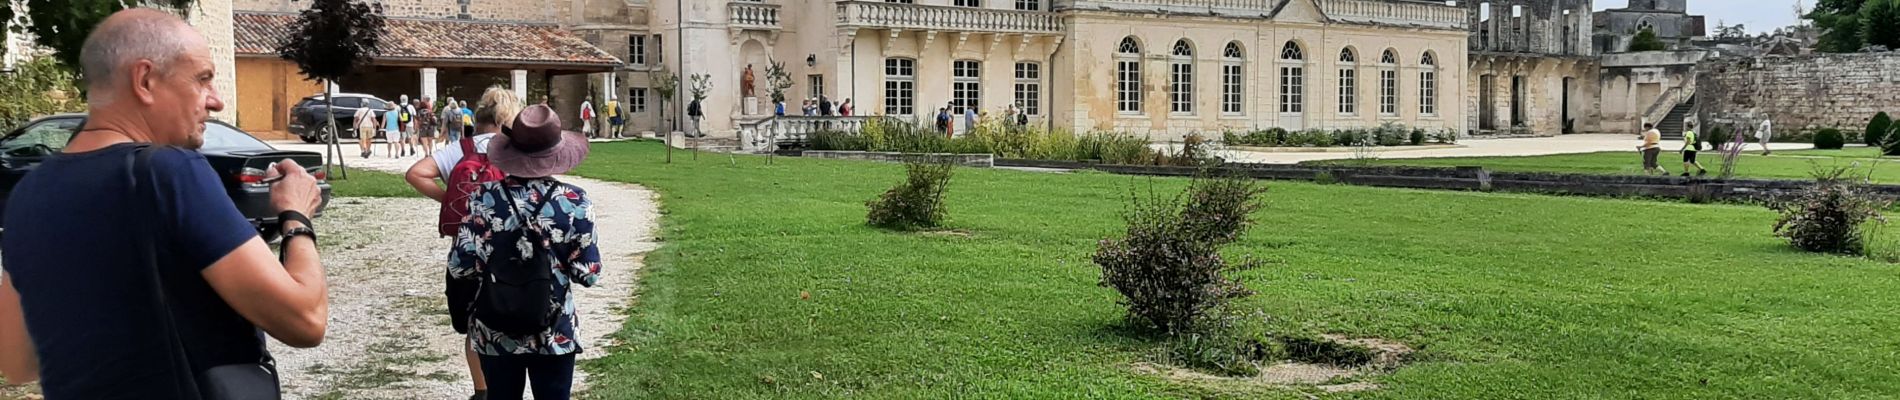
247, 381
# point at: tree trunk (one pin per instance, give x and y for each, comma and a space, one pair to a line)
331, 147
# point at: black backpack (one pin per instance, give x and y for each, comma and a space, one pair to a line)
519, 294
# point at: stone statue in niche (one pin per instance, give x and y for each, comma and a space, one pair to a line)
747, 82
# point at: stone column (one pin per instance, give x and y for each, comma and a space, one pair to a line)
428, 83
520, 77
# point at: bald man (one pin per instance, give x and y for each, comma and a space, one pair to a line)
88, 252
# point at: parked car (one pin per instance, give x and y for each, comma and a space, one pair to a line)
240, 159
306, 117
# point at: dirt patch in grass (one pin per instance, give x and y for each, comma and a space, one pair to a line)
948, 233
1329, 363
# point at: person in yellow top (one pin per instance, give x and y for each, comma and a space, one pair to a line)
1651, 148
615, 121
1690, 145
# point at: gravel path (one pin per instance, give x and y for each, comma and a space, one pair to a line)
389, 335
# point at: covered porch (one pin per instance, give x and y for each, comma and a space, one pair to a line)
419, 58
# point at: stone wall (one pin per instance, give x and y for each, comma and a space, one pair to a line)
1801, 93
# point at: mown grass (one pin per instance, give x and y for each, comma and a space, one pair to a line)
371, 183
1506, 295
1793, 164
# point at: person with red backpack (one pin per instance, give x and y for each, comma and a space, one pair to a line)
451, 176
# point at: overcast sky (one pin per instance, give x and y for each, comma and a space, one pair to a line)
1758, 15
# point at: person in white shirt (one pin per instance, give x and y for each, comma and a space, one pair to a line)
1766, 132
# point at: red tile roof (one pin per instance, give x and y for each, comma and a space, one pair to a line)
443, 40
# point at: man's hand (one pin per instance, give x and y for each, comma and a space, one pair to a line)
297, 191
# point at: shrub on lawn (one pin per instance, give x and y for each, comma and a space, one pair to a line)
1879, 130
1827, 217
1390, 134
1168, 267
916, 203
1829, 139
1418, 136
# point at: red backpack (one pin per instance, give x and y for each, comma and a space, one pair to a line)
464, 179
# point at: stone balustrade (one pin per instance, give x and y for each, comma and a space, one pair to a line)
753, 15
881, 15
1384, 12
1432, 15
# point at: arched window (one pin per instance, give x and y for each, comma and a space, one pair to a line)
1389, 83
1292, 78
1181, 73
1232, 80
1128, 76
1428, 84
1348, 81
900, 86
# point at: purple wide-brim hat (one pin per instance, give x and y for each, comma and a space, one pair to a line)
536, 147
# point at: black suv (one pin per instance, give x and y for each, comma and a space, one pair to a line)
306, 118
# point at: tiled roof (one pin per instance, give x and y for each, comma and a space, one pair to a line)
443, 40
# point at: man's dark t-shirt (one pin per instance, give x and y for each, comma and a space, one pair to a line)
70, 250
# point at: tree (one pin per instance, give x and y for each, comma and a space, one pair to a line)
1880, 23
62, 25
665, 84
1646, 41
37, 88
777, 80
332, 39
1735, 32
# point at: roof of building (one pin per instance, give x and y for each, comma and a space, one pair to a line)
476, 42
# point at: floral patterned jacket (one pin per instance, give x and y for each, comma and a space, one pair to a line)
567, 220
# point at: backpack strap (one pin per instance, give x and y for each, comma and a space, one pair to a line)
144, 188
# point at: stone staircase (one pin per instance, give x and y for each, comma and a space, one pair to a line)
1671, 125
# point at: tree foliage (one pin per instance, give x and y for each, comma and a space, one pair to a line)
1880, 23
38, 88
777, 80
333, 38
62, 25
1646, 40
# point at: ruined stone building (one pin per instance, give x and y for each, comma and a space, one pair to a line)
1669, 19
1534, 71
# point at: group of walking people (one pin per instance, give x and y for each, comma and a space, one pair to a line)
820, 106
153, 285
1651, 148
411, 126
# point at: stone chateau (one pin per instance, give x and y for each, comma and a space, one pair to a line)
1162, 68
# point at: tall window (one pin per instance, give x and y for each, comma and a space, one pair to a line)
817, 84
969, 3
900, 86
1029, 5
1348, 82
1029, 87
1181, 84
1232, 81
1128, 76
637, 49
1389, 83
1428, 84
637, 100
966, 82
1292, 79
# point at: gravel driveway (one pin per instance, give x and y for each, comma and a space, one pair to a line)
389, 335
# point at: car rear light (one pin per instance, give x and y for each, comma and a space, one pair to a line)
252, 177
320, 174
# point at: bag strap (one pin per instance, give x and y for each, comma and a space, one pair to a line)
143, 190
528, 221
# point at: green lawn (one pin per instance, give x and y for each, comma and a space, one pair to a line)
370, 183
1507, 295
1792, 164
